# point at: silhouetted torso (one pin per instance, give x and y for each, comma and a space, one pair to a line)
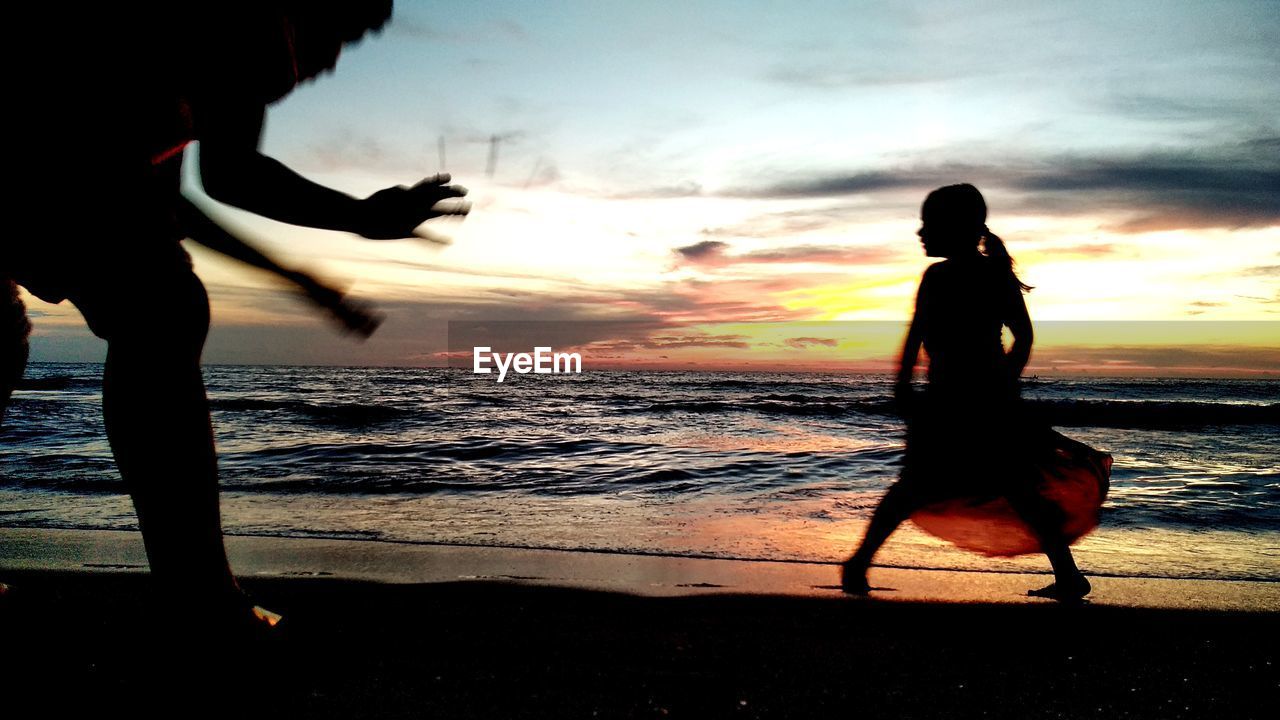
106, 99
964, 303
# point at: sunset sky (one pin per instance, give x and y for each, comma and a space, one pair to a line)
675, 166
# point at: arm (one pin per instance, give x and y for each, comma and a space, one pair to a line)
911, 348
233, 171
1019, 323
201, 228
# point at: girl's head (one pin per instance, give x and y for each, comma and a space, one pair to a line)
953, 221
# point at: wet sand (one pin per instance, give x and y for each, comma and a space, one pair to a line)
565, 635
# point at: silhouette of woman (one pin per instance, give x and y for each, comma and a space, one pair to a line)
121, 92
970, 443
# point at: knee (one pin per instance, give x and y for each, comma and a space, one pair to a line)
901, 500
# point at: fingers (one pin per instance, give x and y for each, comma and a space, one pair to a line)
431, 237
437, 179
440, 192
456, 209
438, 185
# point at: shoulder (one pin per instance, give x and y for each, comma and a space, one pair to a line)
939, 273
938, 269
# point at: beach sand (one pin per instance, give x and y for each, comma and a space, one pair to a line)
387, 630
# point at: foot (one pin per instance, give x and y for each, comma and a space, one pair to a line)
235, 616
853, 579
1069, 590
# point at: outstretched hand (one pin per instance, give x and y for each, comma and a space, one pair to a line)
392, 214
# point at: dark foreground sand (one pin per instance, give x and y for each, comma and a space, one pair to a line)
504, 650
98, 642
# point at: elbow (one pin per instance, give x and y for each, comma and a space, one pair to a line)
227, 181
217, 186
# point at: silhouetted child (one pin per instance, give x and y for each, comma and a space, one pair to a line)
968, 435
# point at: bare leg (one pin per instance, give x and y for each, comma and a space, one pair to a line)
13, 340
1045, 518
157, 419
894, 508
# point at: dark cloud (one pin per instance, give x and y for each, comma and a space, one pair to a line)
1236, 186
1262, 271
666, 342
702, 251
801, 343
714, 253
859, 183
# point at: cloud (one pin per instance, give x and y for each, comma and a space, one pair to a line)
829, 254
672, 341
1208, 105
545, 172
702, 252
788, 223
459, 270
683, 189
1199, 307
1085, 250
801, 343
858, 183
1262, 271
415, 29
826, 77
714, 254
1195, 359
1230, 186
348, 149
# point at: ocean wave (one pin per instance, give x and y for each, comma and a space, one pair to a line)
54, 383
328, 413
1138, 414
795, 405
457, 449
1153, 414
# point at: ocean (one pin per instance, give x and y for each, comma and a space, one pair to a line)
705, 464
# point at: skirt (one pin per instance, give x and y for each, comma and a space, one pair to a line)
964, 471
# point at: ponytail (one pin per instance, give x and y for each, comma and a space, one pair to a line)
994, 248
